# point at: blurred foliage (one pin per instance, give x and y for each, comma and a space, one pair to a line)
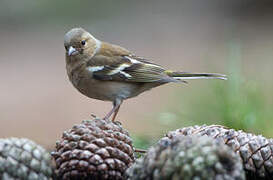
238, 103
142, 142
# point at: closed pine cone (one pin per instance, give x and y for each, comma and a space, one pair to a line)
187, 158
23, 159
94, 149
255, 151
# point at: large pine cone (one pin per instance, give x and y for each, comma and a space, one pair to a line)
96, 149
23, 159
187, 158
256, 152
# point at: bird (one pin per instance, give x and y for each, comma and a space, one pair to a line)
108, 72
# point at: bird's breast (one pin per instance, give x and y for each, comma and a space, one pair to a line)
83, 81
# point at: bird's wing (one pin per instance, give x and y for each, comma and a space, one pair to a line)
126, 68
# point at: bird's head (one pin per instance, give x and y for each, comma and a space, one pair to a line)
80, 43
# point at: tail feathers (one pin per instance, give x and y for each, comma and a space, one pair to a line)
189, 75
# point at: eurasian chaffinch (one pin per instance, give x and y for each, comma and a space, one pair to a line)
108, 72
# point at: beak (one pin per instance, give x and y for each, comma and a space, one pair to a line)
72, 51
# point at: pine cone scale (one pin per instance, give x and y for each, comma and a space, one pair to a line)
269, 165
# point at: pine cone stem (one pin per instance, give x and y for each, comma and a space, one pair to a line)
140, 150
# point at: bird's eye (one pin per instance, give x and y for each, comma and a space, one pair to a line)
83, 42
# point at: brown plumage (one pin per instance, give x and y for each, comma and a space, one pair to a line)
109, 72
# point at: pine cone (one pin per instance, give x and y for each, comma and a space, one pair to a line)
96, 149
187, 158
256, 152
23, 159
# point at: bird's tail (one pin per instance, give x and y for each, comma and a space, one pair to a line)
188, 75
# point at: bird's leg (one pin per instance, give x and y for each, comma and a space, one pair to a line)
116, 105
116, 112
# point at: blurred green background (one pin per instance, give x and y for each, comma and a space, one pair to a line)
231, 37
